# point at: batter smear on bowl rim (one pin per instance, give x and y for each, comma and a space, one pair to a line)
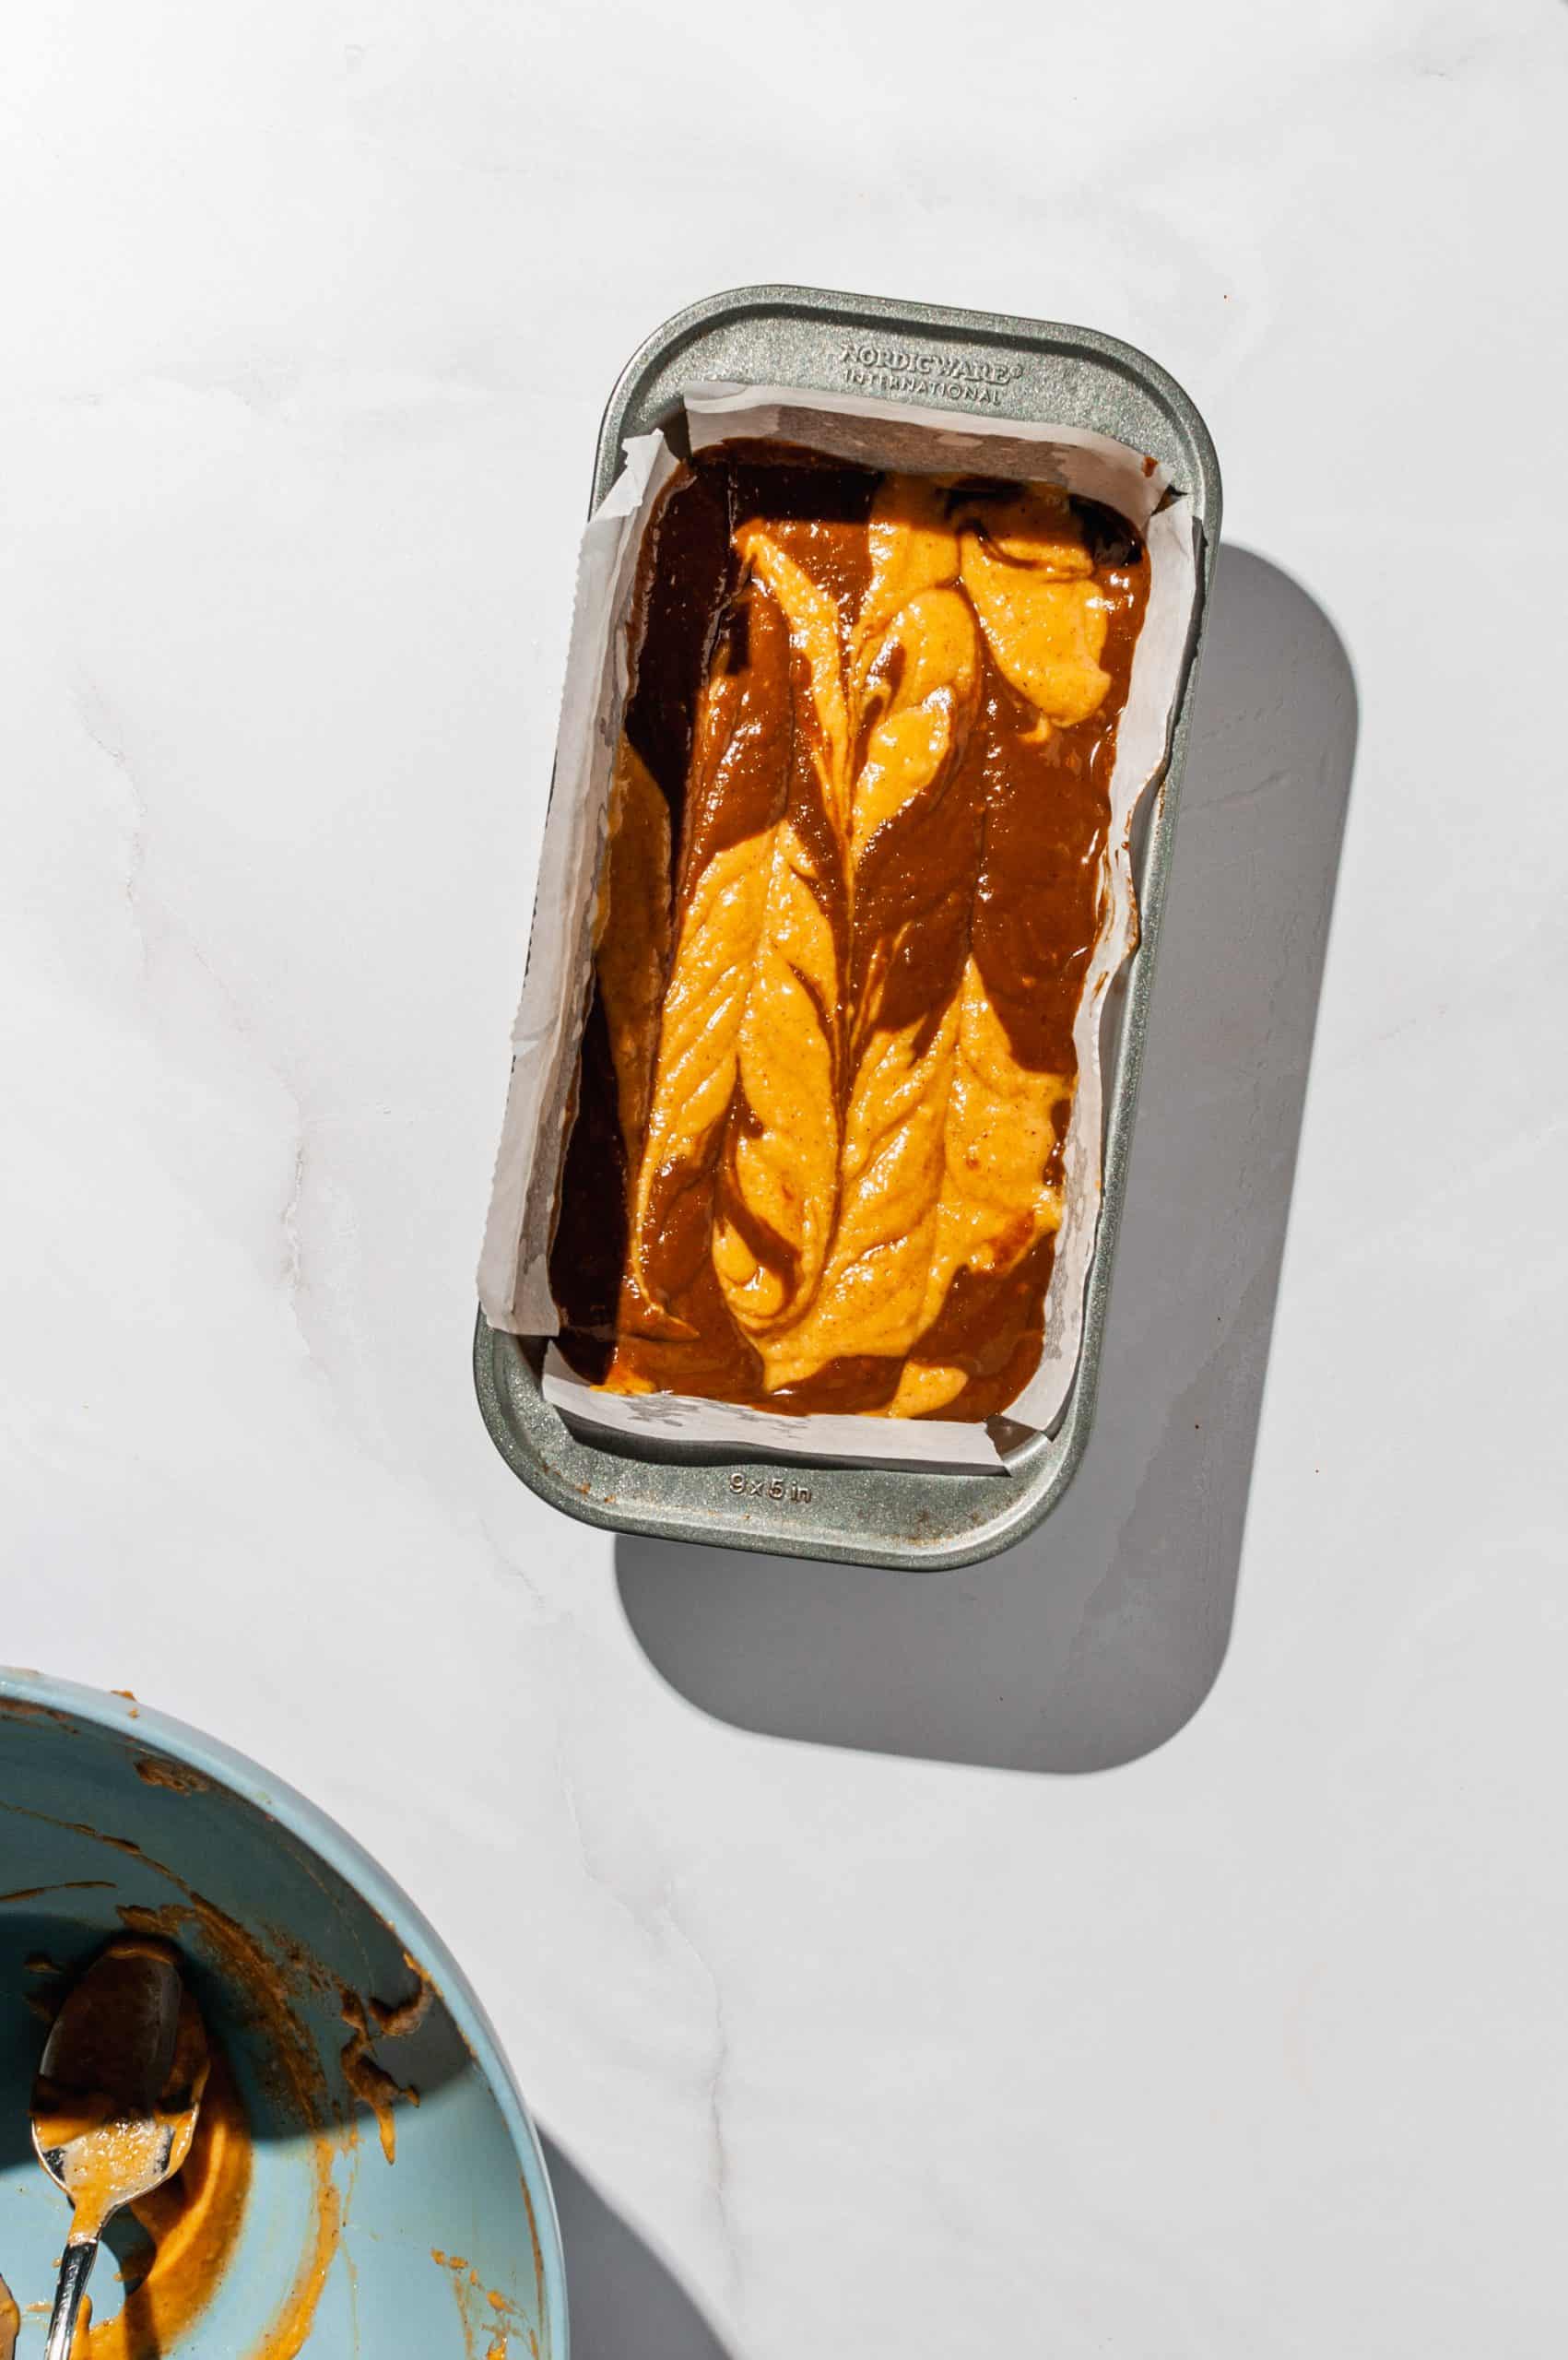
855, 875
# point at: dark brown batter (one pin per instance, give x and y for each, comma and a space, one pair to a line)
854, 878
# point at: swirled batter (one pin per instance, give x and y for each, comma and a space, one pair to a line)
854, 877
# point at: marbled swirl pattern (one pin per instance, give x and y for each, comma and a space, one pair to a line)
841, 1030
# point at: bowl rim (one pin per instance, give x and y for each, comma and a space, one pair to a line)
275, 1800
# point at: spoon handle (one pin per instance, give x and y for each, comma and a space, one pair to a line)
76, 2268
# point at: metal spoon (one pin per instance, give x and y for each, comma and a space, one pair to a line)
114, 2104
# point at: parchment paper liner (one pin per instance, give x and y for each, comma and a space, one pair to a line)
513, 1277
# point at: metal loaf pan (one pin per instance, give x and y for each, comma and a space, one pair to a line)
934, 358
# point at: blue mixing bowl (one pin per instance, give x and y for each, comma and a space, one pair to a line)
397, 2202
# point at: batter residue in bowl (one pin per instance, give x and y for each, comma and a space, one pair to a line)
194, 2224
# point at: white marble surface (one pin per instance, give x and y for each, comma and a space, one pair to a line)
1149, 1944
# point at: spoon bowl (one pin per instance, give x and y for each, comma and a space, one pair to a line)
115, 2100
